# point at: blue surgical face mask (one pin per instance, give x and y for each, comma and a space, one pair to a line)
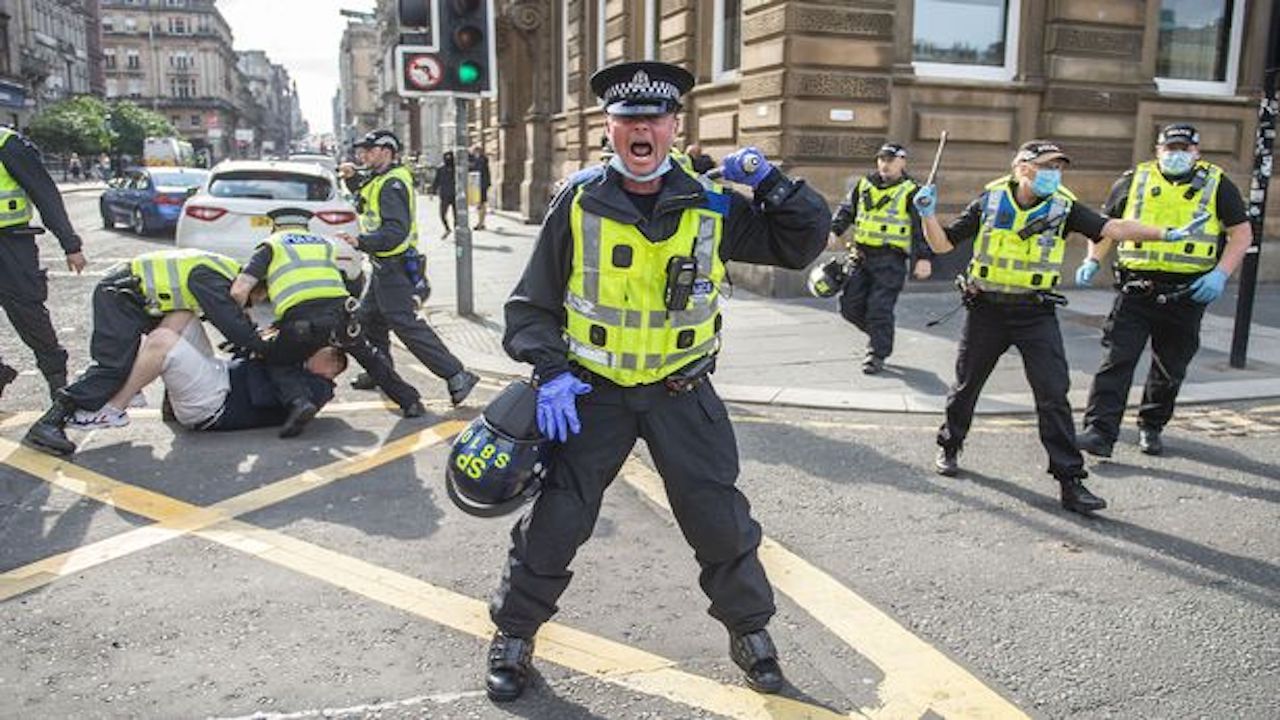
1046, 181
616, 163
1177, 162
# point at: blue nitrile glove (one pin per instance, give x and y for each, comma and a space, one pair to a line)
1086, 271
747, 166
1209, 287
926, 200
1186, 231
558, 406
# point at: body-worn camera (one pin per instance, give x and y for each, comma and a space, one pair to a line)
682, 270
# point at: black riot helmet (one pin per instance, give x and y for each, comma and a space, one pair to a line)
827, 279
499, 461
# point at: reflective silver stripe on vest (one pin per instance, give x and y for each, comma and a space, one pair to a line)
1143, 178
175, 289
654, 361
11, 194
603, 314
15, 215
292, 290
296, 262
591, 257
631, 361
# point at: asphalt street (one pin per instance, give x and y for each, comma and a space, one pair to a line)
167, 574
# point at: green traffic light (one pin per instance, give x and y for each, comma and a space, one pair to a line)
468, 73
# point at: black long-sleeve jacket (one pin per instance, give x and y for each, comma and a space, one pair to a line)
22, 159
785, 225
213, 291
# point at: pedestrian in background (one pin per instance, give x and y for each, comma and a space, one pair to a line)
478, 163
1019, 226
74, 167
886, 236
644, 239
1175, 189
444, 187
24, 285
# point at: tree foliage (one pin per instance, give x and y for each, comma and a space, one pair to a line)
87, 125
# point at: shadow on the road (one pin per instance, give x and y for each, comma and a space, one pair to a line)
1219, 456
25, 535
539, 700
922, 381
1113, 469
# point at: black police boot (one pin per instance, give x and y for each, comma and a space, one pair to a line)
872, 364
1149, 441
7, 375
364, 381
300, 413
460, 385
755, 654
1077, 498
414, 410
947, 461
47, 434
56, 383
509, 659
1092, 442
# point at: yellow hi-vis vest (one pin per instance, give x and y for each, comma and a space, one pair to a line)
371, 217
15, 206
163, 275
302, 268
1006, 261
1153, 200
618, 323
883, 218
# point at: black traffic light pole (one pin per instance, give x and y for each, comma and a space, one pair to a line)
461, 225
1262, 159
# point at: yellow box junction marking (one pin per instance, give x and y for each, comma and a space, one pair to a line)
576, 650
917, 677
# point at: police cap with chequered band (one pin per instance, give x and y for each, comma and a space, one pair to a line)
892, 149
1184, 133
1039, 152
379, 138
641, 88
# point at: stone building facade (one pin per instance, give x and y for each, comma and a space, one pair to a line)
819, 85
48, 45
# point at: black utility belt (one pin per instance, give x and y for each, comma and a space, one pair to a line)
684, 380
1039, 297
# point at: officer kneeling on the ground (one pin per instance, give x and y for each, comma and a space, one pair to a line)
1174, 189
313, 309
618, 312
128, 303
1019, 225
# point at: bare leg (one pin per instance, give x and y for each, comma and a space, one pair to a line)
150, 360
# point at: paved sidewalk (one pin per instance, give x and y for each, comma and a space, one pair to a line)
801, 352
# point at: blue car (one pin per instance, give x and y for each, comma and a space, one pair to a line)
149, 199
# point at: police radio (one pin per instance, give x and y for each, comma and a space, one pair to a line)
682, 270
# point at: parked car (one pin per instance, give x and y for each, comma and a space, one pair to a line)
149, 199
229, 213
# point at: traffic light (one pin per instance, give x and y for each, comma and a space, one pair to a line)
416, 13
466, 47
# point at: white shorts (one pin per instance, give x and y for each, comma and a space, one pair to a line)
196, 380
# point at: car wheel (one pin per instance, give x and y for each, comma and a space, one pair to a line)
139, 222
107, 222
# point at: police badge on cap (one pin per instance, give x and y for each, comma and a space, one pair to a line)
641, 88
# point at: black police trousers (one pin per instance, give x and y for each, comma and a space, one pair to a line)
119, 322
1174, 332
389, 305
23, 292
313, 324
696, 453
870, 295
989, 331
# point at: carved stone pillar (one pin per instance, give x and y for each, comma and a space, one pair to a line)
531, 19
512, 101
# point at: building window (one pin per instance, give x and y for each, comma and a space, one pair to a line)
178, 25
974, 39
181, 61
1198, 48
135, 88
109, 59
652, 23
113, 87
130, 24
108, 23
182, 87
132, 61
195, 120
726, 40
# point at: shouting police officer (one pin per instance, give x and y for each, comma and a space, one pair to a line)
23, 287
1175, 189
618, 312
886, 233
1019, 226
389, 234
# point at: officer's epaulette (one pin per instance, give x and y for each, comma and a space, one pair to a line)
717, 201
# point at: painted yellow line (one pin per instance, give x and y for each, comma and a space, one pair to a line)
582, 652
989, 425
19, 419
174, 517
917, 677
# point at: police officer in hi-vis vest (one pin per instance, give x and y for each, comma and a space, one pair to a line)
128, 303
1175, 189
886, 235
24, 182
618, 311
389, 235
313, 309
1019, 225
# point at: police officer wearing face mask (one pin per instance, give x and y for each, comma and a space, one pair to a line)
618, 312
886, 234
1019, 225
1177, 188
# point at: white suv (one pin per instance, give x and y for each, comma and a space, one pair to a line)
229, 213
